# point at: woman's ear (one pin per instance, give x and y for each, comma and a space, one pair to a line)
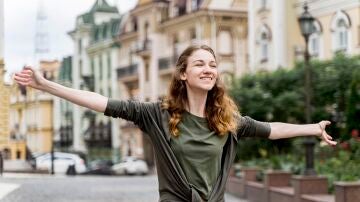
183, 76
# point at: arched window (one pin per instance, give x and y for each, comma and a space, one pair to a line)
264, 38
340, 27
315, 43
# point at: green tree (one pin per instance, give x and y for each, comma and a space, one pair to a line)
280, 96
353, 104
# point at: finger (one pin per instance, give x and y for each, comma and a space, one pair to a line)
329, 141
20, 75
23, 75
26, 72
20, 79
327, 123
329, 137
23, 83
28, 68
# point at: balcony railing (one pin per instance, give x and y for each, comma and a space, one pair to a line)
89, 82
144, 48
130, 70
167, 62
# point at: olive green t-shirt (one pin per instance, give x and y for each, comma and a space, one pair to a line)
198, 151
174, 184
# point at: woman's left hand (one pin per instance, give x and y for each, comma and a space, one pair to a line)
323, 135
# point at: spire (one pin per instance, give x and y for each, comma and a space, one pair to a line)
42, 34
103, 6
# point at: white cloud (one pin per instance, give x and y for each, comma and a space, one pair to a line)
20, 26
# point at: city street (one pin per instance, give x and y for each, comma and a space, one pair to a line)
44, 188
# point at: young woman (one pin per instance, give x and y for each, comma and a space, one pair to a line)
194, 130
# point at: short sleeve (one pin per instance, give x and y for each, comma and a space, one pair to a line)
143, 114
249, 127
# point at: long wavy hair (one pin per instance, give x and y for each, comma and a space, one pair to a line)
220, 111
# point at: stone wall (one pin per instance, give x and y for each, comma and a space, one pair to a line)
280, 186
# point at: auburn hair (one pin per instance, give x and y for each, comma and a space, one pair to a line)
220, 111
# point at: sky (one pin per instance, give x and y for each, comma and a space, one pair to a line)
20, 27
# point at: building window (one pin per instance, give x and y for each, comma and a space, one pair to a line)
263, 41
315, 40
92, 66
100, 68
195, 4
342, 35
225, 42
263, 4
134, 24
147, 71
79, 46
192, 33
175, 44
105, 31
109, 65
80, 67
314, 45
341, 30
97, 37
181, 7
264, 45
359, 35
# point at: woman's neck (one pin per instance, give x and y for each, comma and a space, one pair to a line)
196, 102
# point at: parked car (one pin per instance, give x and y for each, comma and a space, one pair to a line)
131, 166
99, 167
62, 162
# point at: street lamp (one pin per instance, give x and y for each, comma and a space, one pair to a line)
306, 22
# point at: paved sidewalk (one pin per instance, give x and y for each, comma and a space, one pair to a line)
20, 187
6, 188
231, 198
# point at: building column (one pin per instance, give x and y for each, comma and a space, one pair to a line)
279, 34
251, 36
154, 67
78, 141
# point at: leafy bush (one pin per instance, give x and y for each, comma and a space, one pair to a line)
280, 95
343, 165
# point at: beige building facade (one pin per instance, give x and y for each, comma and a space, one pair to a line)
153, 35
31, 112
94, 63
10, 147
275, 38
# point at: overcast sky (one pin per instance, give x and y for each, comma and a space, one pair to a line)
20, 26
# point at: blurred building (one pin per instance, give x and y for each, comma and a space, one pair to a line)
93, 68
11, 147
247, 36
154, 33
275, 38
31, 112
63, 110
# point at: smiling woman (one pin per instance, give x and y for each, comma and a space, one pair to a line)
194, 130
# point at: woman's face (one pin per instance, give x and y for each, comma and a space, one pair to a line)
201, 71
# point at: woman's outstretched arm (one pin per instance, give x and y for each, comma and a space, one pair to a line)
285, 130
32, 78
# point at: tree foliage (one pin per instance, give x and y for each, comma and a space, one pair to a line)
279, 96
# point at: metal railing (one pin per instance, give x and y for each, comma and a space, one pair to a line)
125, 71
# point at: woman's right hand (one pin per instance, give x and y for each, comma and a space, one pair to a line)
30, 77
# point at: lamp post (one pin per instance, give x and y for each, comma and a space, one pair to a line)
307, 28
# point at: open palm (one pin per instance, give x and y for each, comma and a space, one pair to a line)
30, 77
